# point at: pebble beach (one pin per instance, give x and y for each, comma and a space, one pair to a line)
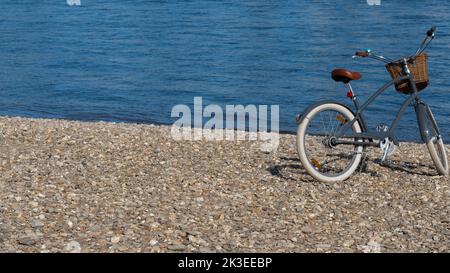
70, 186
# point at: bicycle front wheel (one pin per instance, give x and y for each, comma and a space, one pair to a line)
320, 157
435, 143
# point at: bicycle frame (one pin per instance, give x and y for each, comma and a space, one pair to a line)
414, 98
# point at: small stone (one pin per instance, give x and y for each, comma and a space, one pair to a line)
372, 247
347, 243
153, 242
205, 250
34, 203
192, 232
177, 247
307, 229
115, 239
73, 247
51, 210
37, 224
197, 240
26, 240
323, 246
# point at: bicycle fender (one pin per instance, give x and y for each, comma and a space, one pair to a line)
421, 111
301, 116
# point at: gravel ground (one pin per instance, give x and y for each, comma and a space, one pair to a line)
71, 186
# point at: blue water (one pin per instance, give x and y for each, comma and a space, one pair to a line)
133, 61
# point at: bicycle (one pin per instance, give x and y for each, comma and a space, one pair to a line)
332, 138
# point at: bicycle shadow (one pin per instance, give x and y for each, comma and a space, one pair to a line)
407, 167
292, 168
285, 171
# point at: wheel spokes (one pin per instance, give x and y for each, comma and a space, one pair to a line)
325, 157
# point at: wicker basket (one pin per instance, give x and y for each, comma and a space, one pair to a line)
419, 70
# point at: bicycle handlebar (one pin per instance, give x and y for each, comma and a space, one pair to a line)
362, 54
368, 53
426, 41
431, 31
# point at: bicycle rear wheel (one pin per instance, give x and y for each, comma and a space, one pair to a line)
435, 143
321, 159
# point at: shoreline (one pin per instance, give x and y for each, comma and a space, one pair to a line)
79, 186
134, 122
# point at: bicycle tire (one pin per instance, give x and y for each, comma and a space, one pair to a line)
303, 153
435, 144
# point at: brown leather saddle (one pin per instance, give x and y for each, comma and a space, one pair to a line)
344, 75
